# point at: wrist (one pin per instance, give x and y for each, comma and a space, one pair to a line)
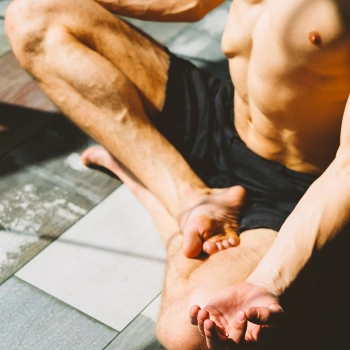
272, 280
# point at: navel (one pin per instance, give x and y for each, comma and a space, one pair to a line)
315, 38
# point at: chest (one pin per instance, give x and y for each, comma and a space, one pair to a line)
301, 28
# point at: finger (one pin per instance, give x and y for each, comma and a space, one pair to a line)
239, 327
215, 339
203, 315
272, 316
194, 314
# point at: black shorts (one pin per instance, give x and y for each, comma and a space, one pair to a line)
197, 119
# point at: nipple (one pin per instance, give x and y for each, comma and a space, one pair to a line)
315, 38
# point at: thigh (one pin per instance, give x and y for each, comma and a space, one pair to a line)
199, 279
141, 59
195, 281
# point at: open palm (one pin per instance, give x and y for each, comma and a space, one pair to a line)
240, 315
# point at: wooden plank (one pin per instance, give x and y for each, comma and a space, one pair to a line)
18, 87
18, 123
33, 320
4, 43
139, 335
44, 189
109, 265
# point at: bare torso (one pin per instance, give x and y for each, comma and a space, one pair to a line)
290, 65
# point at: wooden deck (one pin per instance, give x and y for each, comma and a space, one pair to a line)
81, 263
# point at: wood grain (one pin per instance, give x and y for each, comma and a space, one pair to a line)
44, 189
22, 105
18, 123
139, 335
19, 88
109, 265
33, 320
4, 43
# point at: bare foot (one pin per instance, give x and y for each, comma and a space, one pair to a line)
210, 226
99, 156
166, 224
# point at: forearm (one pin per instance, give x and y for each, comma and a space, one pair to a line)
161, 10
318, 219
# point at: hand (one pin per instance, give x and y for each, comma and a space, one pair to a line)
212, 224
240, 316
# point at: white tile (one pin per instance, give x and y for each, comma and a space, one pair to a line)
152, 310
109, 265
215, 21
197, 44
160, 31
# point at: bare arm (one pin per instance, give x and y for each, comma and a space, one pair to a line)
162, 10
318, 219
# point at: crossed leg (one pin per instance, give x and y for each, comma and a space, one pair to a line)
110, 80
188, 281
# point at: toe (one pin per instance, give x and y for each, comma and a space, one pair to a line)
193, 244
234, 241
210, 247
219, 246
226, 244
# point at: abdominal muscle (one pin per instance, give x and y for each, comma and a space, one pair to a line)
289, 101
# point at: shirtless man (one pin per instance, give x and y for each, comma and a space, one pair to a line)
290, 66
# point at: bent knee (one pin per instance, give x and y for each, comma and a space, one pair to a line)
27, 23
174, 331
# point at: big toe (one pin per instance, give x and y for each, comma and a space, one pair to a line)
192, 245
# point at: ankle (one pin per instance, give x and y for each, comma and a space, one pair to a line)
193, 198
